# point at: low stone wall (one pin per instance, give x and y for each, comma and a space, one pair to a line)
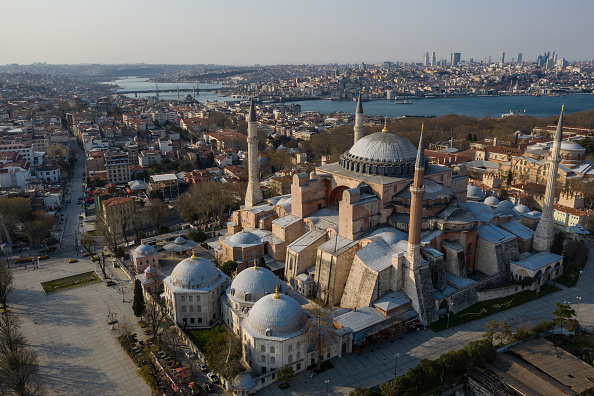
491, 294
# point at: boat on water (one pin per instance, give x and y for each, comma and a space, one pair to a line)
403, 102
520, 113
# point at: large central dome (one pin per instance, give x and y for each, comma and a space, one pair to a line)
381, 153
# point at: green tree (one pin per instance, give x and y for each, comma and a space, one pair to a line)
562, 314
510, 177
229, 267
197, 236
210, 160
119, 252
6, 284
491, 329
18, 371
138, 303
285, 375
502, 195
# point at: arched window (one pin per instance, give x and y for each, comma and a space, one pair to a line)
298, 355
290, 358
298, 345
291, 348
271, 349
184, 308
191, 308
272, 360
198, 308
263, 359
263, 348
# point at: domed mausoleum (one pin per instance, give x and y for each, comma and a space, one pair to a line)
143, 257
193, 292
274, 334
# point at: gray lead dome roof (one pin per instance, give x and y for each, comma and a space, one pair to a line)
382, 153
276, 315
194, 273
255, 282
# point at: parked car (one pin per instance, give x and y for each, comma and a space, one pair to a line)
189, 354
208, 387
109, 283
203, 367
212, 378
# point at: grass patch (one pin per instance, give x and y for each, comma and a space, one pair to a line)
70, 282
567, 279
486, 308
324, 366
201, 337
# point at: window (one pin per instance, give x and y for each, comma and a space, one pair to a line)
298, 355
298, 345
183, 308
263, 359
290, 358
298, 366
183, 298
198, 308
271, 349
190, 298
263, 348
192, 320
199, 320
291, 348
272, 360
191, 308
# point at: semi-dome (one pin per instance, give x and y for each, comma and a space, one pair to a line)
276, 315
194, 273
145, 250
473, 192
382, 153
253, 283
242, 238
491, 201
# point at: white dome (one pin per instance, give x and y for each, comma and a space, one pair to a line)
194, 273
571, 146
276, 315
474, 192
243, 238
491, 201
384, 147
505, 205
145, 250
521, 209
179, 240
253, 283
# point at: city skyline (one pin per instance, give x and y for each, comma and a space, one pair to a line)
307, 32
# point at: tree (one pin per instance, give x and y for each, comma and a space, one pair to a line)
491, 330
119, 252
510, 177
321, 333
154, 314
502, 195
6, 284
159, 212
562, 314
364, 392
506, 332
223, 354
138, 303
229, 267
197, 236
15, 210
127, 337
17, 372
86, 242
210, 159
285, 375
11, 338
557, 245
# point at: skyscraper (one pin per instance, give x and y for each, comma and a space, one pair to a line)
519, 57
502, 57
433, 60
455, 58
426, 59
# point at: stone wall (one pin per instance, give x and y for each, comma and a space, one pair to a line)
490, 294
360, 286
494, 258
332, 272
299, 261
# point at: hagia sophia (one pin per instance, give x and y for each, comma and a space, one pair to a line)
382, 237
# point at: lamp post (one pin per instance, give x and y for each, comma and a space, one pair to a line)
123, 290
577, 311
327, 382
396, 364
450, 309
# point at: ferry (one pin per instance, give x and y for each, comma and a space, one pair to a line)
403, 102
512, 114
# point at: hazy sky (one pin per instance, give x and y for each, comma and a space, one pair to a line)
245, 32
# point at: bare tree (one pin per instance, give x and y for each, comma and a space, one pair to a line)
321, 332
87, 242
223, 353
158, 212
17, 373
6, 281
11, 338
127, 335
173, 342
154, 314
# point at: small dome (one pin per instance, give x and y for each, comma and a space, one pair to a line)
243, 238
194, 273
244, 381
474, 192
179, 240
506, 205
491, 201
254, 283
571, 146
262, 161
294, 151
145, 250
521, 209
282, 147
150, 270
276, 315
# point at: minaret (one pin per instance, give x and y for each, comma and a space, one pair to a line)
416, 208
359, 120
253, 194
543, 237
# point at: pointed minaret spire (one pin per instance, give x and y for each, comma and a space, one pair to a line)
543, 237
253, 194
417, 190
358, 120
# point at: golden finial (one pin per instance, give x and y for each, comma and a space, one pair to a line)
385, 125
276, 295
255, 264
562, 107
422, 127
193, 255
